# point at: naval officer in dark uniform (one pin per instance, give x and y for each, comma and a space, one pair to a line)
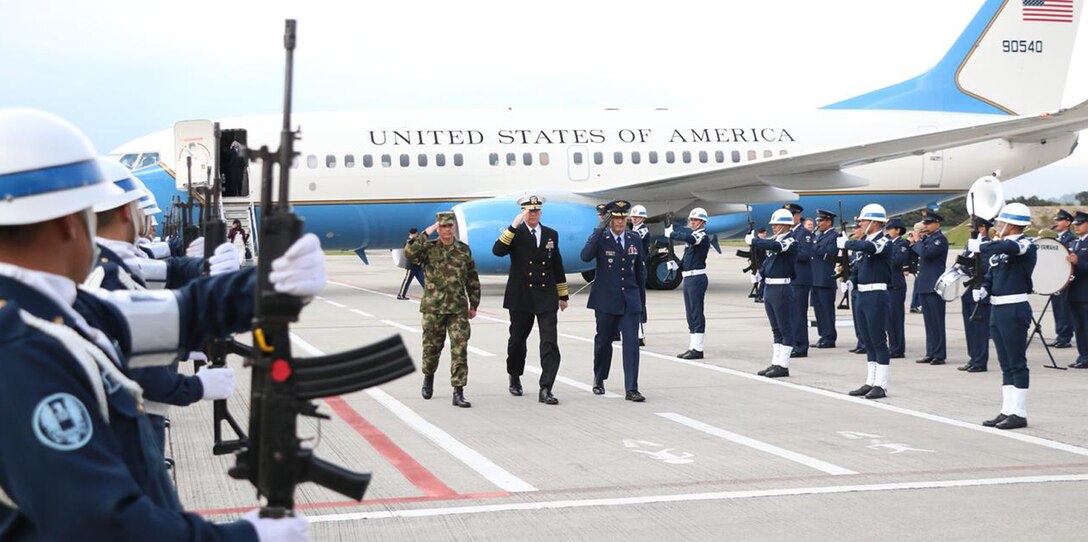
535, 289
802, 283
932, 250
1063, 323
618, 296
823, 278
897, 289
1078, 290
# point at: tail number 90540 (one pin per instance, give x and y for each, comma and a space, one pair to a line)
1022, 46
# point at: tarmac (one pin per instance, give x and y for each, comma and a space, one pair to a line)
714, 453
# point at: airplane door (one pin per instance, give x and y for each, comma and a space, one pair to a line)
577, 163
932, 163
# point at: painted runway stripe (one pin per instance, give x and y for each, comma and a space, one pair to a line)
335, 304
802, 459
362, 313
692, 497
400, 326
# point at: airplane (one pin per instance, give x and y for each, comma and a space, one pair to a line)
363, 179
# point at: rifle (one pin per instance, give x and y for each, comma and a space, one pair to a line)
671, 274
750, 255
283, 386
975, 264
189, 230
842, 263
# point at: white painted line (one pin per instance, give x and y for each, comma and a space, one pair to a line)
362, 313
692, 497
571, 382
477, 462
397, 325
473, 459
360, 288
335, 304
805, 460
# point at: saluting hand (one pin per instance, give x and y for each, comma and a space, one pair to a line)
520, 218
432, 228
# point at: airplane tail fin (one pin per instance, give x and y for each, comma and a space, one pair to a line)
1013, 58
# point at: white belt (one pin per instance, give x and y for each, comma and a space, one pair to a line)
1008, 299
777, 281
872, 287
693, 272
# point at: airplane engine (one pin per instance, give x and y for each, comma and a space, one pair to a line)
480, 222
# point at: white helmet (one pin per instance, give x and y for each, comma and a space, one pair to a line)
116, 173
873, 211
147, 203
638, 211
782, 217
48, 168
1016, 214
698, 213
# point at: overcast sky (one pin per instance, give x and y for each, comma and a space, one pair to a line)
121, 69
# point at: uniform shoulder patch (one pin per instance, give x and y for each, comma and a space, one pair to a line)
62, 423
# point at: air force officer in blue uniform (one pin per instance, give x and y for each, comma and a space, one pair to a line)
693, 270
802, 282
932, 251
1063, 323
778, 271
976, 314
897, 289
618, 295
823, 278
1078, 290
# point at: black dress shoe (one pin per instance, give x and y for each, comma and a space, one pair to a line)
764, 371
991, 423
937, 362
976, 369
515, 386
459, 397
1012, 422
642, 342
916, 310
926, 359
825, 345
546, 397
598, 387
861, 391
634, 396
1060, 345
684, 353
1079, 365
853, 350
963, 367
860, 351
798, 354
428, 386
401, 297
691, 354
896, 356
777, 371
876, 393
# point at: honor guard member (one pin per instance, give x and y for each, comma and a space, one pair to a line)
693, 269
1063, 324
823, 278
618, 296
897, 289
449, 301
536, 289
76, 457
414, 271
977, 330
932, 249
1078, 290
802, 282
874, 273
638, 225
1007, 284
847, 288
777, 272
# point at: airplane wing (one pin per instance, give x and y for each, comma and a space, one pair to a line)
774, 178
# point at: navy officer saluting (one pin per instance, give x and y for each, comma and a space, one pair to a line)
618, 295
693, 269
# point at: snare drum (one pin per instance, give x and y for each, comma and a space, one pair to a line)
1053, 272
952, 283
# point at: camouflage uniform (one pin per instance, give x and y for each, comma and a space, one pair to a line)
452, 288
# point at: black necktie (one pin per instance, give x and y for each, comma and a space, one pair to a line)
536, 242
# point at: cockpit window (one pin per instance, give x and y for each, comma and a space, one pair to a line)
129, 159
147, 159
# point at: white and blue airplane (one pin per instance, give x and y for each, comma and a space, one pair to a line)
991, 104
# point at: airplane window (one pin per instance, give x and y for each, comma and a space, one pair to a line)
735, 155
405, 160
440, 160
598, 158
544, 160
330, 161
719, 156
670, 157
458, 160
511, 159
768, 154
129, 159
368, 160
147, 159
527, 158
577, 158
687, 157
493, 158
387, 160
653, 157
422, 159
782, 152
752, 155
311, 161
703, 157
349, 160
617, 157
636, 157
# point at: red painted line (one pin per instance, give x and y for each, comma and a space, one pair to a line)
337, 504
417, 474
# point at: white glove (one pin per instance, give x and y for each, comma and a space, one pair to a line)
974, 245
197, 355
845, 286
668, 230
841, 240
671, 265
225, 259
218, 383
292, 529
301, 270
979, 294
748, 238
756, 278
196, 248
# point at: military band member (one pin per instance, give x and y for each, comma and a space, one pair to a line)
638, 225
618, 296
414, 271
1007, 284
449, 301
977, 330
1063, 324
847, 288
693, 269
777, 272
1078, 290
536, 289
932, 249
823, 278
874, 273
897, 289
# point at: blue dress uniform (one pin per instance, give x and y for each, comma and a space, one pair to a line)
693, 269
617, 298
823, 284
778, 271
874, 274
1077, 292
855, 260
897, 291
932, 251
801, 284
1063, 322
977, 333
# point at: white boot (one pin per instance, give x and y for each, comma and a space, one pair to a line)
881, 376
774, 353
1020, 402
870, 379
784, 356
697, 342
1007, 400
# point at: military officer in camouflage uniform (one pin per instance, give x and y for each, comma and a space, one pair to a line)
450, 299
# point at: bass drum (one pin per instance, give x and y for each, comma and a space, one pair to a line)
952, 283
1053, 272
